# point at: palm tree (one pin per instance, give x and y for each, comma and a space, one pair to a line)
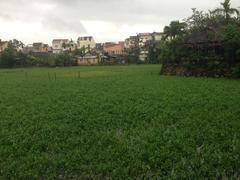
226, 10
175, 29
167, 32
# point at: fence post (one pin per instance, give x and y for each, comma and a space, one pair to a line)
79, 75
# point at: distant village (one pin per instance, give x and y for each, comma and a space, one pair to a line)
94, 53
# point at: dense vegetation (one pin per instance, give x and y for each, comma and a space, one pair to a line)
10, 58
119, 122
205, 44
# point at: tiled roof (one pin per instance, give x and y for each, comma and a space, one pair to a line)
85, 38
59, 40
144, 34
37, 44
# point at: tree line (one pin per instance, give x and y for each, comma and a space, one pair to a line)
205, 40
11, 57
206, 43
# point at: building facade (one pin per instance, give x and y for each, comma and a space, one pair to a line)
86, 42
88, 60
130, 42
3, 45
157, 36
143, 38
41, 47
114, 49
59, 45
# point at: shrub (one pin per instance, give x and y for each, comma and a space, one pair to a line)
236, 71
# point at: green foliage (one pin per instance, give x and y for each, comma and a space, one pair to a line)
11, 58
226, 10
232, 43
51, 61
117, 122
236, 71
8, 56
80, 52
206, 37
132, 55
33, 61
65, 59
175, 29
164, 52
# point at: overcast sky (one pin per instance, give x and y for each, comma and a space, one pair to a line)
106, 20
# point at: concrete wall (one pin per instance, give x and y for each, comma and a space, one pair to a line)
88, 60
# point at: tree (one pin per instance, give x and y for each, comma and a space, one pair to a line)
65, 59
80, 52
132, 53
17, 44
232, 43
197, 21
167, 32
226, 10
68, 46
175, 29
8, 56
154, 50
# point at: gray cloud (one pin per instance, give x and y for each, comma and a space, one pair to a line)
66, 15
57, 23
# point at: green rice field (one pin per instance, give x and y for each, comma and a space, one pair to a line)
117, 122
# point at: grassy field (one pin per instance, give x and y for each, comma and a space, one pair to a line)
117, 122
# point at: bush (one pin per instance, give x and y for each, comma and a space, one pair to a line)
65, 59
232, 43
236, 71
8, 57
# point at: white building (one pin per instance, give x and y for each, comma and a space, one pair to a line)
3, 45
130, 42
58, 45
86, 42
143, 38
157, 36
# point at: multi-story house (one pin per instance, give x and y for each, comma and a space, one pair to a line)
40, 47
27, 49
86, 42
157, 36
131, 42
37, 48
59, 45
3, 45
143, 38
69, 46
114, 49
